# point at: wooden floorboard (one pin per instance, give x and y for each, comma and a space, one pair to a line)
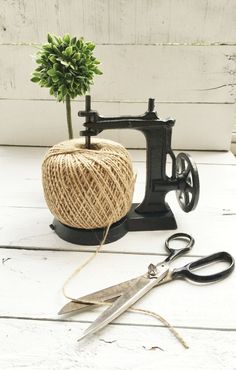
37, 345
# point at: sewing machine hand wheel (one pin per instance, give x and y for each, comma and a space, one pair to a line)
187, 174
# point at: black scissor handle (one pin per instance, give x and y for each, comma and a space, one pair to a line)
187, 271
176, 252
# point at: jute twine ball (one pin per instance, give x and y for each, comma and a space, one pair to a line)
88, 188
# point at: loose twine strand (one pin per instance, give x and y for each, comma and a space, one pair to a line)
83, 264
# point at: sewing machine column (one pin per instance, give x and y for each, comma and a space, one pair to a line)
158, 146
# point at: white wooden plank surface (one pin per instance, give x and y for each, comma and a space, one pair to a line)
53, 345
112, 21
198, 126
171, 74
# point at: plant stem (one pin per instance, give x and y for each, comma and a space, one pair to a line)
68, 116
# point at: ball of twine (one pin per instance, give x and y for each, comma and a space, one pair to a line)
88, 188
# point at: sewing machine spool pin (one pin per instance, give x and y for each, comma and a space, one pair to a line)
153, 213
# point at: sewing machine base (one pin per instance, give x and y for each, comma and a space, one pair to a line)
132, 222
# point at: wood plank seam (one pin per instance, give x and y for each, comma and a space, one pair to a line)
26, 318
128, 101
190, 44
79, 250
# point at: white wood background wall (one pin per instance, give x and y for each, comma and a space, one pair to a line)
182, 52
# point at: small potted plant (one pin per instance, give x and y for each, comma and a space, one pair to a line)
66, 65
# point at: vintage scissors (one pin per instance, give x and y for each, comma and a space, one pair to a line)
129, 292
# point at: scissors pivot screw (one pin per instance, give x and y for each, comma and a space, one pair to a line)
152, 271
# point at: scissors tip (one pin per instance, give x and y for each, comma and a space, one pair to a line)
73, 307
90, 330
64, 310
61, 312
82, 336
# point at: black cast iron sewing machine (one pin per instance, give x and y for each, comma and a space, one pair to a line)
153, 213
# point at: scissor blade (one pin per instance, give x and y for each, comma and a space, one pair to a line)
73, 307
102, 295
127, 299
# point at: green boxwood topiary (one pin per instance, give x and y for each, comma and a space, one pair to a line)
66, 66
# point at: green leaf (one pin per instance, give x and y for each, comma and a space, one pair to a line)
35, 79
97, 71
47, 47
52, 58
36, 74
51, 72
59, 74
55, 48
59, 97
73, 40
63, 90
42, 83
55, 78
69, 51
83, 69
90, 45
51, 91
50, 38
48, 84
58, 39
79, 43
63, 62
77, 55
66, 39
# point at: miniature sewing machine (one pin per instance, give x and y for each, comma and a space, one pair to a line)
153, 213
